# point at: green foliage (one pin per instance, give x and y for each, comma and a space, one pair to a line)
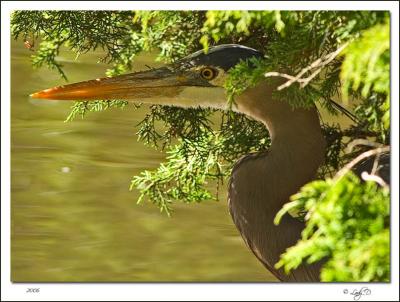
347, 221
303, 38
244, 75
202, 155
236, 24
81, 31
366, 65
366, 69
46, 54
347, 226
184, 175
173, 33
81, 108
177, 123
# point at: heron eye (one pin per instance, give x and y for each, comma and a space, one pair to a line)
208, 73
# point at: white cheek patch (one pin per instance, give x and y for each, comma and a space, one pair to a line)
205, 97
220, 78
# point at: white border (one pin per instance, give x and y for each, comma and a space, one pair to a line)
179, 292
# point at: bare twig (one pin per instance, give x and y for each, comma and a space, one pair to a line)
368, 143
283, 75
359, 158
363, 142
373, 177
376, 162
317, 66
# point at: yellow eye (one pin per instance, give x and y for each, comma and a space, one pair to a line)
208, 73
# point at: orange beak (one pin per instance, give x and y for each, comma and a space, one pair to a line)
154, 83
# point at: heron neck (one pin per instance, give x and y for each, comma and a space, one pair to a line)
297, 144
261, 184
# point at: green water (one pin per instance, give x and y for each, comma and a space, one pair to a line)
73, 217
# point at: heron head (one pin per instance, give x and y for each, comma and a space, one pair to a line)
195, 80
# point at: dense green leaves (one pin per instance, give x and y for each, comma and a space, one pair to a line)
202, 154
184, 175
347, 226
338, 54
366, 69
366, 66
80, 108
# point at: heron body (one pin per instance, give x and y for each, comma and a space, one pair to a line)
261, 183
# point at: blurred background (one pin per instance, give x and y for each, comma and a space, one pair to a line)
73, 216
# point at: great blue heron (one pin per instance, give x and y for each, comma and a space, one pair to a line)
260, 182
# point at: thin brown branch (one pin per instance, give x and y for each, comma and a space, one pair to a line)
373, 177
315, 66
359, 158
363, 142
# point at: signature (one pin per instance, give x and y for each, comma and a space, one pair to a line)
357, 294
